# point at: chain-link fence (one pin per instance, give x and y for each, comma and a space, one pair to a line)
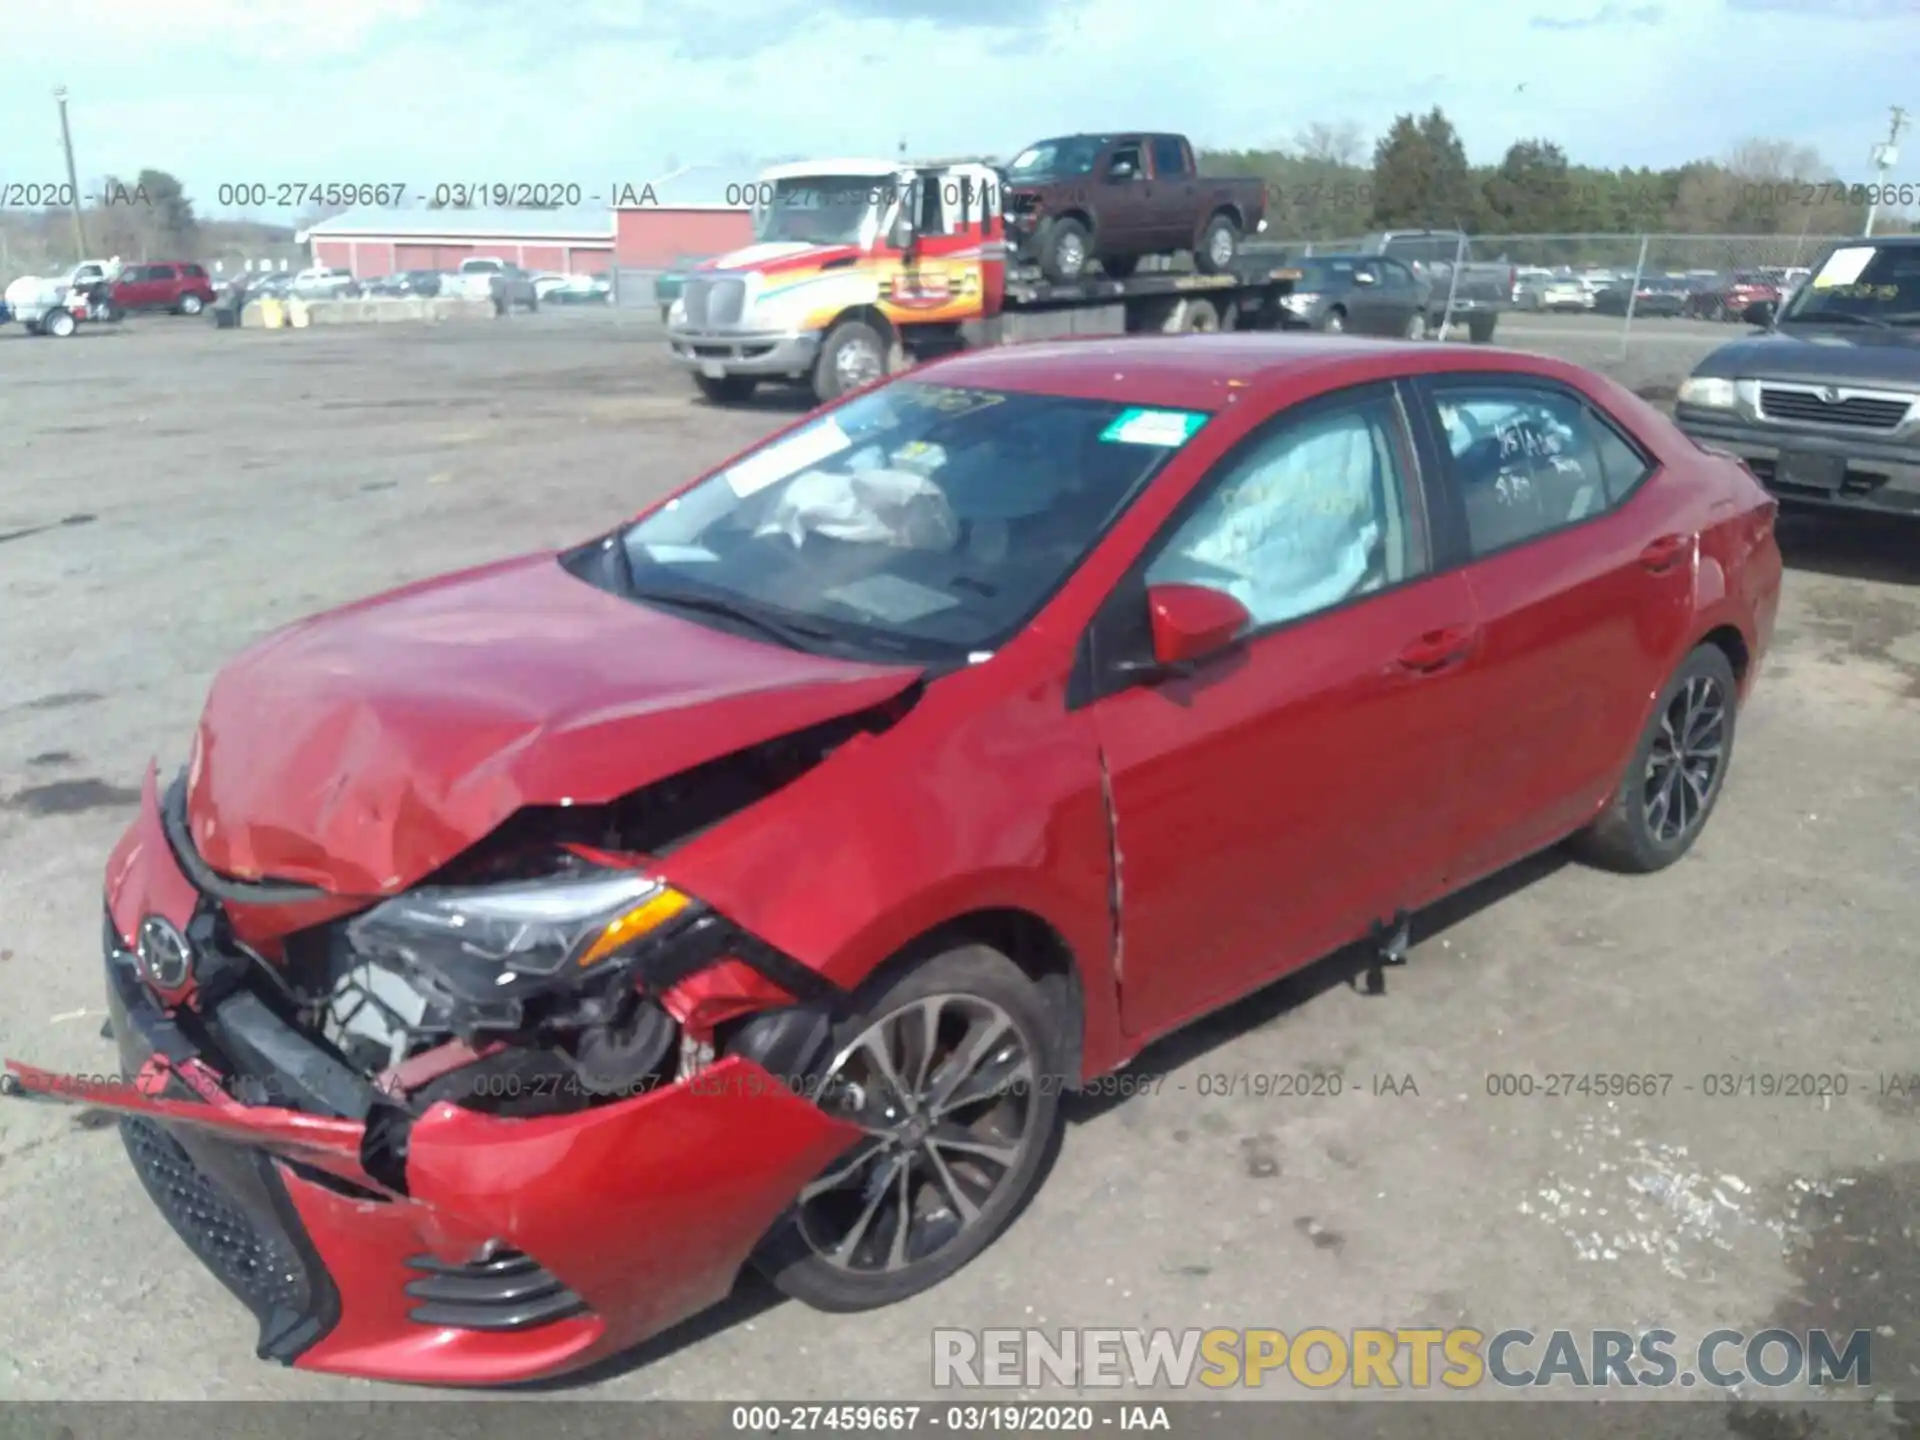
1646, 307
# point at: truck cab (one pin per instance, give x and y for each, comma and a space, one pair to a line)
854, 264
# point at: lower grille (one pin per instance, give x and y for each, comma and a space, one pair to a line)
506, 1291
1857, 410
232, 1211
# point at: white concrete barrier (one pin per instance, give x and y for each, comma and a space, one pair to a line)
272, 314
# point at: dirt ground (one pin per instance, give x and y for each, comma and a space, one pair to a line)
169, 492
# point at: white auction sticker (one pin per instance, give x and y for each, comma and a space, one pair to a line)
1844, 266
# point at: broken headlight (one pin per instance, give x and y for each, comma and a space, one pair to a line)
492, 946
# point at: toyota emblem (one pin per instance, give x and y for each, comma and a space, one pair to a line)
166, 959
1830, 395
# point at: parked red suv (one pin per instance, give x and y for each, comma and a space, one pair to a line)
164, 285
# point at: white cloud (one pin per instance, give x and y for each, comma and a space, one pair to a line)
427, 90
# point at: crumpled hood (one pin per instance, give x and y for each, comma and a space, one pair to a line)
1853, 356
362, 749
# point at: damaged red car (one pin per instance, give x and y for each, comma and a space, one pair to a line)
522, 953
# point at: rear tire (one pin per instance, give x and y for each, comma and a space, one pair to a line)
995, 1153
191, 305
727, 389
1678, 769
1219, 246
1480, 328
59, 324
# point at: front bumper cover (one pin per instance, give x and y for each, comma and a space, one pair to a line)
718, 353
449, 1246
1880, 476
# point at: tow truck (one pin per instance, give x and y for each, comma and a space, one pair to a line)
862, 268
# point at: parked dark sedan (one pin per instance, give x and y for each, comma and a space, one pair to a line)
1363, 294
1824, 406
1652, 297
407, 282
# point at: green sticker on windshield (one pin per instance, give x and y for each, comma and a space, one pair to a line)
1168, 428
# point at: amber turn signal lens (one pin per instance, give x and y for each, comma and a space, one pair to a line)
649, 915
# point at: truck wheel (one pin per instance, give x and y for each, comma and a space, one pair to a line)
854, 355
1063, 253
191, 305
1480, 328
727, 389
1219, 244
59, 324
1119, 267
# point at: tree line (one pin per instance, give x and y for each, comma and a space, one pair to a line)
1330, 184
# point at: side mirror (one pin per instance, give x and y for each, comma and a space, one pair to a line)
1121, 170
1190, 622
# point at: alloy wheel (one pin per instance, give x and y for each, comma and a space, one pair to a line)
1220, 247
943, 1089
1070, 254
1685, 762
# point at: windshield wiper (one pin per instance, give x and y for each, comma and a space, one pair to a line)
794, 637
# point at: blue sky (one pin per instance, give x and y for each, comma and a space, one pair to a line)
599, 92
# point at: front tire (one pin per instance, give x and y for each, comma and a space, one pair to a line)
191, 305
1335, 321
853, 355
1064, 251
1480, 328
1678, 769
950, 1071
1219, 246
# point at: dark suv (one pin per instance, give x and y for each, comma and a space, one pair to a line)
1824, 404
183, 288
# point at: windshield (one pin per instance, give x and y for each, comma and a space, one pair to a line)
824, 209
1860, 285
919, 519
1324, 274
1070, 155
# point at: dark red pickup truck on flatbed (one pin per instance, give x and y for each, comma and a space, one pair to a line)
1117, 198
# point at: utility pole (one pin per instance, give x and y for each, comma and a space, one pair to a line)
1885, 157
73, 179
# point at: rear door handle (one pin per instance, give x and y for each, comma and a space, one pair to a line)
1437, 649
1665, 553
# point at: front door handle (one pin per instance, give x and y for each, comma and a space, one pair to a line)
1437, 649
1663, 554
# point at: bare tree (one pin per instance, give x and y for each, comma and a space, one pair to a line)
1340, 144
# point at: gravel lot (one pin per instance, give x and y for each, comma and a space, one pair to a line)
169, 492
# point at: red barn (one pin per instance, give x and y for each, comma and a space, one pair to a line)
372, 243
699, 210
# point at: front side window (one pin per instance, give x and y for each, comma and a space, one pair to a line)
920, 519
1527, 460
1068, 156
1308, 518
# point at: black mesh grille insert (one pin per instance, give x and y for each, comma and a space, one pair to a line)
506, 1291
233, 1213
1860, 410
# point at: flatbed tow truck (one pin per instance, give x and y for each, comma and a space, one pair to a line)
863, 268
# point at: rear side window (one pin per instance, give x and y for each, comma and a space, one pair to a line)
161, 272
1169, 158
1529, 460
194, 272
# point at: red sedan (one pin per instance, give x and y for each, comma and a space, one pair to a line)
522, 953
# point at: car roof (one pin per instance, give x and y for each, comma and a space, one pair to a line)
1207, 372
